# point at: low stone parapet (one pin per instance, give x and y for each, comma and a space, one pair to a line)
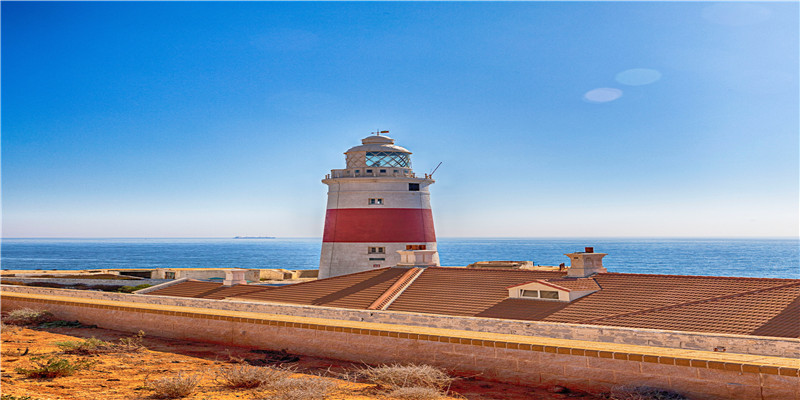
519, 359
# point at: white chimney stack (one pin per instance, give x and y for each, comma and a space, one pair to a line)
585, 263
418, 258
234, 277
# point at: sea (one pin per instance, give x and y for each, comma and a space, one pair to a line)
766, 258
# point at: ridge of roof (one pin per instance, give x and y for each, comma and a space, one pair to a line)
678, 305
397, 288
335, 277
500, 269
746, 278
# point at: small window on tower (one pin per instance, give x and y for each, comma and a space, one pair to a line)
377, 250
376, 202
413, 187
369, 171
383, 171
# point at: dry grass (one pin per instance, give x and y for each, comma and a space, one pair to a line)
303, 388
643, 393
96, 346
10, 329
27, 316
395, 376
248, 376
174, 387
416, 393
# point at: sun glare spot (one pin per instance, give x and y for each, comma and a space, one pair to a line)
638, 76
602, 95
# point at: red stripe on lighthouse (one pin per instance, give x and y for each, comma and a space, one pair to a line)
375, 225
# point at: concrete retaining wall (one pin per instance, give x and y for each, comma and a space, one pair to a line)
781, 347
516, 359
90, 282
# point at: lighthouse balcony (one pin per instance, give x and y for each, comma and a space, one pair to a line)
371, 172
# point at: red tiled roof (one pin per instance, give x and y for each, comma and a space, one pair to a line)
357, 290
462, 291
206, 290
748, 306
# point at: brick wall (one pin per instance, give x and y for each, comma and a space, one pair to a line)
593, 366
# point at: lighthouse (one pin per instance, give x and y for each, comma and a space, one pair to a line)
379, 211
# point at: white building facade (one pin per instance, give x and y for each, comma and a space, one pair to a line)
377, 206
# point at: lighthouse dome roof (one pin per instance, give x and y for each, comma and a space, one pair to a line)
377, 143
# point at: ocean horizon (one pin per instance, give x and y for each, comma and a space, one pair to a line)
746, 257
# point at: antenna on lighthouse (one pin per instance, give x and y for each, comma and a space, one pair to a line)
437, 167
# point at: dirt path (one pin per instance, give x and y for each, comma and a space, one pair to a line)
124, 375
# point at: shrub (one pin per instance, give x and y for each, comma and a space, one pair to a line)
52, 367
12, 397
643, 393
304, 388
97, 346
416, 393
88, 346
131, 344
406, 376
175, 386
27, 316
65, 324
247, 376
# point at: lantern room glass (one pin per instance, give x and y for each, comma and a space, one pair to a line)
388, 159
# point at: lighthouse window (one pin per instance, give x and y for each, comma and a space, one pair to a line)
383, 171
377, 250
375, 202
413, 187
388, 159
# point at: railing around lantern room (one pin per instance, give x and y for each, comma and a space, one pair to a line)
371, 172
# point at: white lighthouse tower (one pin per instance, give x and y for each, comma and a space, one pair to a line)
377, 206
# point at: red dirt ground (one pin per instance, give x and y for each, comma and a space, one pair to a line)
123, 375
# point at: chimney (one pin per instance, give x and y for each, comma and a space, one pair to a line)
586, 263
234, 277
417, 258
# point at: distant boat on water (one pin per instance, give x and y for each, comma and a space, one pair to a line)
254, 237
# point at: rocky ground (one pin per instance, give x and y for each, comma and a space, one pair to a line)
125, 375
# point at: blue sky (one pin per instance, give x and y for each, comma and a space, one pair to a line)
552, 119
